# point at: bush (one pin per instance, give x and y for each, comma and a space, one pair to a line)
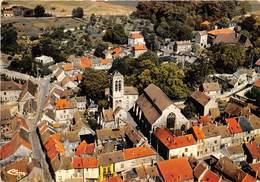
78, 12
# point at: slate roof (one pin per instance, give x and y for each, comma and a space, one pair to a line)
244, 124
200, 97
153, 102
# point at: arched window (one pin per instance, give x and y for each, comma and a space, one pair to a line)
171, 120
119, 85
116, 85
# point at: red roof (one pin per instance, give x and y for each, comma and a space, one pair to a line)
249, 178
114, 179
175, 170
254, 150
136, 35
137, 152
204, 119
140, 47
257, 83
257, 63
12, 146
199, 135
54, 146
233, 125
256, 168
210, 177
84, 162
85, 62
85, 148
21, 121
173, 142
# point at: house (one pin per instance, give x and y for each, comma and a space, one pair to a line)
201, 38
256, 168
229, 170
67, 83
216, 33
85, 63
235, 130
171, 146
252, 151
84, 149
235, 153
211, 89
44, 60
107, 163
7, 12
10, 91
255, 123
202, 102
81, 103
139, 50
257, 66
121, 95
153, 109
245, 127
182, 46
211, 141
209, 175
18, 147
177, 170
77, 167
59, 75
27, 95
135, 38
16, 170
135, 157
65, 109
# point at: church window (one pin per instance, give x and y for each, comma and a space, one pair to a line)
119, 85
171, 120
116, 85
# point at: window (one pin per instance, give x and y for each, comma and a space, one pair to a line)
186, 149
116, 85
171, 120
4, 93
215, 141
119, 85
122, 165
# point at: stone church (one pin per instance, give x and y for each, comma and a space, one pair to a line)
154, 109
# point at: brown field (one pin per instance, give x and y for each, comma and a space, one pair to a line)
64, 8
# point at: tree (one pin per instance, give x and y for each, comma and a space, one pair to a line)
99, 52
8, 38
254, 94
78, 12
116, 35
36, 51
93, 19
168, 77
28, 13
94, 84
39, 11
227, 58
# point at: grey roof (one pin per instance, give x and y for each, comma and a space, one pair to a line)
244, 124
153, 102
117, 73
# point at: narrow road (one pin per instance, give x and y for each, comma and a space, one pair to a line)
38, 153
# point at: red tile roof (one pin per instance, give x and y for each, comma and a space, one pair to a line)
254, 150
84, 162
53, 146
233, 126
85, 62
199, 135
140, 47
85, 148
173, 142
175, 170
257, 83
210, 177
257, 63
136, 35
114, 179
68, 67
137, 152
256, 168
12, 146
220, 31
249, 178
22, 123
204, 119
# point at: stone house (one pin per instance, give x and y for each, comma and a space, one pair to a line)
10, 91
